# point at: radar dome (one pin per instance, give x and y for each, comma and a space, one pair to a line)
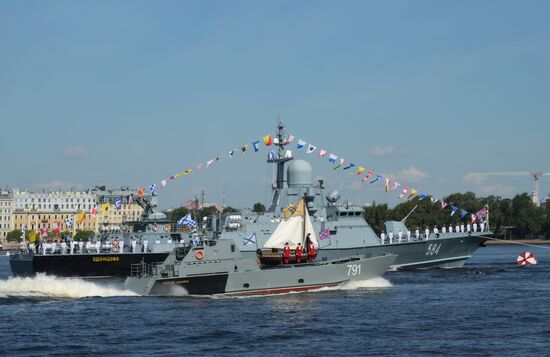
299, 174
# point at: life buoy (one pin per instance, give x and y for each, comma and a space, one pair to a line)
437, 235
166, 227
199, 254
155, 227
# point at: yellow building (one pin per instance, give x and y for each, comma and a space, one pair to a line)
33, 221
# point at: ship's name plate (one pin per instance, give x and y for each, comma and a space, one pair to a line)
105, 259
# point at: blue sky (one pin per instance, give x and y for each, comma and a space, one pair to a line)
129, 92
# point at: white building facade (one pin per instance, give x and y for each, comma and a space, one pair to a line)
6, 213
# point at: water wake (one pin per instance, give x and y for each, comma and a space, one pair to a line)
46, 286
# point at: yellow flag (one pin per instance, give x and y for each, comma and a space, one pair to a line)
80, 217
105, 208
187, 172
360, 170
294, 210
268, 140
244, 148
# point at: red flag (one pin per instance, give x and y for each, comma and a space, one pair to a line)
140, 192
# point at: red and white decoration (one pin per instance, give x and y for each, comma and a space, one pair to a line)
526, 258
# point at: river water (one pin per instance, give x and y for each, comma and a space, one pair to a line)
489, 307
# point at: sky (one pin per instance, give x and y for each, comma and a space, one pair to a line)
127, 93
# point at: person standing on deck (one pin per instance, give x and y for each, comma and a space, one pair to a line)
286, 253
474, 227
399, 235
390, 236
145, 243
72, 243
462, 228
443, 229
98, 247
121, 246
310, 252
63, 247
482, 226
134, 243
417, 233
299, 253
427, 233
450, 228
468, 228
382, 237
408, 235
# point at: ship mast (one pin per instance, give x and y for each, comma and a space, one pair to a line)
279, 159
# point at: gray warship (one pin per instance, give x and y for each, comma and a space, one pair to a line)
218, 267
350, 235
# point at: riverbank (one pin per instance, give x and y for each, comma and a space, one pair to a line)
522, 241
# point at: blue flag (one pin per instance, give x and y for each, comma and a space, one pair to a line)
349, 166
463, 213
118, 203
256, 145
187, 221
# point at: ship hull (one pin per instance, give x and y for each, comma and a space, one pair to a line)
450, 252
80, 265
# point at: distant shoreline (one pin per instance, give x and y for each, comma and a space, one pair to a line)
525, 241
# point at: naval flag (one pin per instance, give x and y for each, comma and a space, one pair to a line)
300, 144
249, 240
332, 158
311, 148
69, 221
187, 221
256, 145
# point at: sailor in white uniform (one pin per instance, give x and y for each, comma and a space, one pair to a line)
457, 228
145, 243
443, 229
417, 233
390, 237
54, 247
450, 228
468, 228
462, 228
474, 226
427, 233
63, 247
134, 243
399, 235
98, 246
72, 246
382, 237
121, 246
436, 230
408, 235
482, 226
81, 247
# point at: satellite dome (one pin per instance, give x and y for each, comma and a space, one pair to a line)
299, 174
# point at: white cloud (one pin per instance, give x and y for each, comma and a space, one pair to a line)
74, 153
473, 178
413, 174
382, 151
58, 185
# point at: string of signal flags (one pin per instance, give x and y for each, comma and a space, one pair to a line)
365, 174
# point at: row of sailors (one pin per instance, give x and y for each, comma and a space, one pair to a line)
91, 247
427, 234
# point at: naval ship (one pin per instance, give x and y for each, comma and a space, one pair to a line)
218, 267
148, 240
347, 232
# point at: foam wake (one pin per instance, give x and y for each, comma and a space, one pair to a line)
46, 286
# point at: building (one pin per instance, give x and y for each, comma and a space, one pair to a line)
6, 216
35, 210
129, 209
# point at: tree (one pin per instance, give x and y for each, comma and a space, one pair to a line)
230, 210
14, 236
258, 208
83, 236
177, 213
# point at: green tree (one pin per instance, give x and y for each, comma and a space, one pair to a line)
15, 236
258, 207
83, 235
230, 210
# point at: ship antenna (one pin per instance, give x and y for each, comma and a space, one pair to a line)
279, 158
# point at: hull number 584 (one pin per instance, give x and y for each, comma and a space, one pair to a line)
354, 269
433, 249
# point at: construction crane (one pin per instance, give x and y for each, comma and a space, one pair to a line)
535, 175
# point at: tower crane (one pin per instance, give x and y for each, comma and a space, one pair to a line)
536, 176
